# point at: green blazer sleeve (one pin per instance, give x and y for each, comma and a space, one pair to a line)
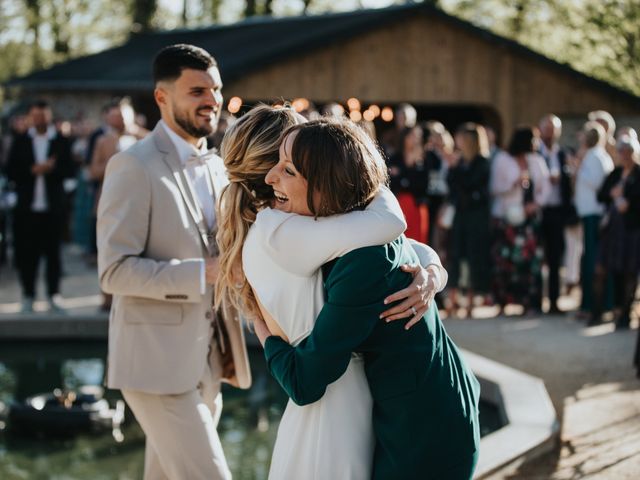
356, 289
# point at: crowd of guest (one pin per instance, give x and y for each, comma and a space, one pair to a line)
496, 216
51, 174
499, 216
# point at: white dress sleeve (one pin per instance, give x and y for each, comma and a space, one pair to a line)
428, 256
302, 244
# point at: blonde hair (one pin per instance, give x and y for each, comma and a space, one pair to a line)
478, 136
249, 150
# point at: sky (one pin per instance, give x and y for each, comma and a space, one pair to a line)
232, 8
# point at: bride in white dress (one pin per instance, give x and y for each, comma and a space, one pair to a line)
280, 255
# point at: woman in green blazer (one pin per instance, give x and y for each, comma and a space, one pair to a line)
425, 414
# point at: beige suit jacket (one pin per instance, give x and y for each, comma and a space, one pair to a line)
151, 240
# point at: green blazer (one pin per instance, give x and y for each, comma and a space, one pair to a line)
425, 413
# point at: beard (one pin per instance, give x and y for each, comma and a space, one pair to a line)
189, 126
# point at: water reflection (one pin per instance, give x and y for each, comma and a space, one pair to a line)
247, 428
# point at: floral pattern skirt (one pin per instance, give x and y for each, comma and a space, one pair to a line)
517, 263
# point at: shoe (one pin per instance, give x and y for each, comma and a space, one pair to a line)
593, 321
54, 305
582, 315
555, 311
27, 305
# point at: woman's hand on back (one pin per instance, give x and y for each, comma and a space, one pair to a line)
417, 297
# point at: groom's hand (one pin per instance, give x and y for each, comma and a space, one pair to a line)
417, 296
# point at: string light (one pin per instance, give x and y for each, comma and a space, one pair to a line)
368, 115
300, 104
375, 109
387, 114
234, 104
355, 116
353, 104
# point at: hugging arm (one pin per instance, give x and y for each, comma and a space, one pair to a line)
302, 244
344, 322
430, 277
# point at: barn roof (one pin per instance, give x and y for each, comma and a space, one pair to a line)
251, 44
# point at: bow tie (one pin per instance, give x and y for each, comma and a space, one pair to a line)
195, 160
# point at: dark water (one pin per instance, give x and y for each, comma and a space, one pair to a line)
247, 428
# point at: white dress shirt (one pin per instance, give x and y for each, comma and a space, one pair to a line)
505, 187
198, 177
553, 163
40, 154
595, 166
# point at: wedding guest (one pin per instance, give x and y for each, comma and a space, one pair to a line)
438, 148
558, 211
39, 161
626, 131
437, 394
573, 234
520, 186
469, 194
619, 247
405, 116
116, 138
594, 168
408, 181
605, 119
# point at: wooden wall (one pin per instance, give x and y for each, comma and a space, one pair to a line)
430, 61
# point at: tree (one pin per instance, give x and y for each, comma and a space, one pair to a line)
250, 8
611, 27
142, 12
34, 21
598, 37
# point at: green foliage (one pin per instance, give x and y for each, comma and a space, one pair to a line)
598, 37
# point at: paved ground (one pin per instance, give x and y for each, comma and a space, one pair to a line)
80, 289
587, 371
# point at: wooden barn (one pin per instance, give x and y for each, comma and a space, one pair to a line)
449, 69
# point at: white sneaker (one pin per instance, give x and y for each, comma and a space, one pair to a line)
54, 305
27, 305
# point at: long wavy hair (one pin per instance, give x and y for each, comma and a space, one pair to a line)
249, 150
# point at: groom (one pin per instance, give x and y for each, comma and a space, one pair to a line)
168, 351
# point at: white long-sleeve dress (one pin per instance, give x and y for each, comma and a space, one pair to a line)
282, 255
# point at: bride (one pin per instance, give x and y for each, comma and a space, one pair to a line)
270, 262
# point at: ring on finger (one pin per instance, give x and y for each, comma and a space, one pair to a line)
414, 311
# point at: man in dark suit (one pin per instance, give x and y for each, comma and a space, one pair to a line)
38, 163
559, 211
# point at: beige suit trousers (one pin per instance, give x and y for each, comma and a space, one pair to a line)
182, 441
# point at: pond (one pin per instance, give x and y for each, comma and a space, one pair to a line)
247, 428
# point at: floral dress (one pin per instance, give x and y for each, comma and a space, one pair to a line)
517, 259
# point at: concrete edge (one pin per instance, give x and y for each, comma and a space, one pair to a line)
532, 427
54, 327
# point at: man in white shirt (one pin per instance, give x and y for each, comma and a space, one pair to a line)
594, 168
38, 163
558, 208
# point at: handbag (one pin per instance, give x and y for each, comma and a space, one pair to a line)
447, 214
515, 215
